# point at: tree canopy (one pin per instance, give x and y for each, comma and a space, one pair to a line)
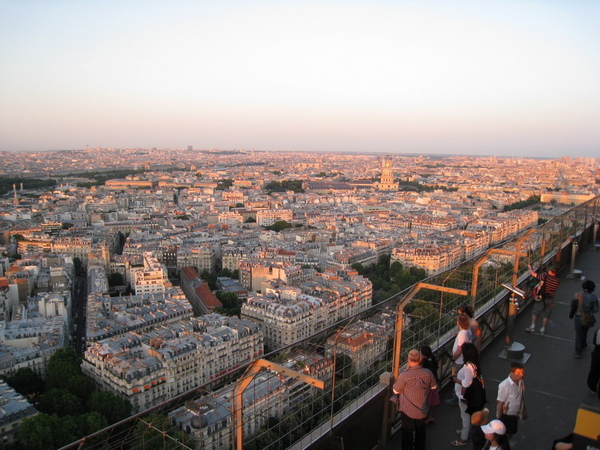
284, 185
69, 407
279, 226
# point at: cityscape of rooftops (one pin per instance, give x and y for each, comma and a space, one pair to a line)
232, 179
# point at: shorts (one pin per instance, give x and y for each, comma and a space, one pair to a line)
543, 308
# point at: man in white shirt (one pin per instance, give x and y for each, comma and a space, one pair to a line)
511, 402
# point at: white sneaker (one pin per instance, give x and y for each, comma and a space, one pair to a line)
542, 332
530, 329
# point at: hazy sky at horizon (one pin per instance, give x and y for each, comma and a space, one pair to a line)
464, 77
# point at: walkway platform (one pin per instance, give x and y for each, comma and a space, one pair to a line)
555, 380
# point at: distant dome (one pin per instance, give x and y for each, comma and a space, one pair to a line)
199, 422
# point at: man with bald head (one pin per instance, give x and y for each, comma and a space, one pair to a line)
413, 386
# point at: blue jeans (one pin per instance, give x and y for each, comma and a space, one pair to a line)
580, 335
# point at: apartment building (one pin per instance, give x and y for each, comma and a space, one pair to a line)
346, 257
208, 419
289, 314
254, 272
202, 299
231, 256
364, 342
200, 256
31, 342
150, 279
150, 368
504, 225
14, 408
433, 258
267, 217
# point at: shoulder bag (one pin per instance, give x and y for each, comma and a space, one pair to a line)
475, 395
587, 319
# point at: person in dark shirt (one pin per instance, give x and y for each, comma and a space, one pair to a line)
430, 362
593, 379
544, 304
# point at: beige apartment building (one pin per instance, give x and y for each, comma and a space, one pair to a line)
201, 256
365, 343
289, 314
208, 419
255, 272
432, 258
231, 256
267, 217
76, 247
505, 225
157, 366
150, 279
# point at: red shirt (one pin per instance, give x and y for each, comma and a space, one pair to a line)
413, 386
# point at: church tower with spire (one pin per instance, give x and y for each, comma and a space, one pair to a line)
387, 182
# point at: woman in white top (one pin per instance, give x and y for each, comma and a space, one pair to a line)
463, 379
474, 329
461, 338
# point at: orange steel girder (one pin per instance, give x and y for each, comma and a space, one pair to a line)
400, 320
478, 264
237, 424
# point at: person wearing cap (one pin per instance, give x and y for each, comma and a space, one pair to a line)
495, 434
545, 305
413, 386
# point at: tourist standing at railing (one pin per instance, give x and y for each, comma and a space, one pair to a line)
475, 334
413, 386
462, 380
464, 322
461, 338
430, 363
593, 380
587, 306
548, 283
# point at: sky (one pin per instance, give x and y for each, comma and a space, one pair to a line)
472, 77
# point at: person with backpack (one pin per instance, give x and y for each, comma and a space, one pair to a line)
545, 291
584, 319
462, 380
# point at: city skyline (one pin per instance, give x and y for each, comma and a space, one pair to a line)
500, 78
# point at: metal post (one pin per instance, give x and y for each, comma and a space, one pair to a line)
514, 351
513, 308
574, 247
